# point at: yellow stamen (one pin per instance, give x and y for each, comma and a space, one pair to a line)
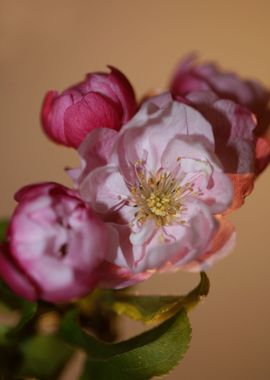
159, 197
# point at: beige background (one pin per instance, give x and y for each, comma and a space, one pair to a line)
52, 44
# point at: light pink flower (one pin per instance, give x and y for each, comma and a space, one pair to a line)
101, 100
191, 76
158, 184
55, 245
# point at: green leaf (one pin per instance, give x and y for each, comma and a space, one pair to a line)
3, 229
150, 354
28, 311
14, 302
8, 298
10, 360
149, 309
10, 357
3, 335
44, 356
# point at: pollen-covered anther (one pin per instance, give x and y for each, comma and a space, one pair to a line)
159, 197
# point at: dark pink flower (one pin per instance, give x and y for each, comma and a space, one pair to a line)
190, 77
101, 100
55, 245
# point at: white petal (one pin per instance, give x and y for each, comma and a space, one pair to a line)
104, 188
144, 233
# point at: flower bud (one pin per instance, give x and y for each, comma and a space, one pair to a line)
101, 100
55, 245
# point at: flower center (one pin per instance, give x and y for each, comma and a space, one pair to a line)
159, 197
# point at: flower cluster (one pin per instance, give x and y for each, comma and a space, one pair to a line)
155, 183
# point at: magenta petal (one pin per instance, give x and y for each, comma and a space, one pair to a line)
116, 87
233, 127
240, 140
15, 278
101, 100
93, 111
124, 92
192, 76
53, 110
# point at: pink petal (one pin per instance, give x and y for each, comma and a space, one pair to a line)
15, 278
119, 237
181, 243
242, 186
49, 273
189, 154
262, 154
221, 245
138, 143
52, 116
219, 196
116, 87
241, 138
94, 151
93, 111
144, 234
113, 276
233, 127
86, 253
104, 188
124, 92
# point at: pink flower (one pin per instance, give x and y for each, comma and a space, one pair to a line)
233, 128
158, 184
55, 245
101, 100
190, 77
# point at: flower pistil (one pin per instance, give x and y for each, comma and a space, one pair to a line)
159, 197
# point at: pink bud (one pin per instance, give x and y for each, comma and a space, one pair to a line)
101, 100
55, 245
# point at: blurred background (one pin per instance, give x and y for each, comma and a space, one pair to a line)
52, 44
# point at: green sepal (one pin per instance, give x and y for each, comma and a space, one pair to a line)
13, 302
150, 309
28, 311
44, 356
